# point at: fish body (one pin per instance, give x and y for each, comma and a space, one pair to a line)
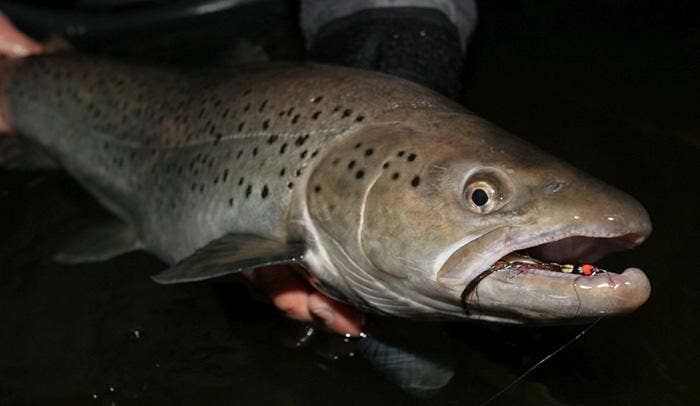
399, 196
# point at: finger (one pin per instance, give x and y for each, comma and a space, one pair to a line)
336, 316
286, 289
14, 43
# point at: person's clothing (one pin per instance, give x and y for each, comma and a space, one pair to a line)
423, 41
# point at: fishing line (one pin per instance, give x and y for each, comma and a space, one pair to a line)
542, 361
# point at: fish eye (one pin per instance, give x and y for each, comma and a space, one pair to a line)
486, 191
480, 197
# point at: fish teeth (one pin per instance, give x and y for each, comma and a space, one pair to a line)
567, 268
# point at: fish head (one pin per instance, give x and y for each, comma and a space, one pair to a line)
424, 213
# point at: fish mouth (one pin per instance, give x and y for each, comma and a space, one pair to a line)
553, 279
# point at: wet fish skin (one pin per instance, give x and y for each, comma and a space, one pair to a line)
176, 154
369, 170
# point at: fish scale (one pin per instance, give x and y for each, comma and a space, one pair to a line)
230, 147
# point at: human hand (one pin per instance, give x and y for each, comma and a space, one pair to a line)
292, 295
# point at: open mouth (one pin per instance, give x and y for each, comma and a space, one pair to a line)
566, 264
572, 255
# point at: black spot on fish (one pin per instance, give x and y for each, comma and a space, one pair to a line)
201, 187
315, 115
218, 138
230, 202
238, 155
225, 113
301, 140
386, 165
298, 172
272, 139
248, 190
225, 176
247, 92
313, 154
262, 106
395, 176
303, 154
359, 174
369, 152
283, 148
255, 151
295, 118
281, 113
240, 181
266, 124
347, 113
351, 164
317, 188
317, 99
240, 126
416, 181
411, 157
283, 171
335, 161
290, 185
359, 118
289, 112
264, 192
401, 153
358, 145
336, 109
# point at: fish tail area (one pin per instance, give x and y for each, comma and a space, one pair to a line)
19, 153
5, 128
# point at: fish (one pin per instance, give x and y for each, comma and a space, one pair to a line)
385, 194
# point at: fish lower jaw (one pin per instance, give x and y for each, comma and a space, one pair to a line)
538, 297
552, 281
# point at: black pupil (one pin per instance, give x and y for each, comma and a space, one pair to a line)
479, 197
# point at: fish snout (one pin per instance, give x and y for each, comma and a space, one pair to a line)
595, 208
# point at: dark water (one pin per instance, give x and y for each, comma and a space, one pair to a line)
614, 92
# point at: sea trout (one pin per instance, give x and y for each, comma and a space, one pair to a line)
395, 199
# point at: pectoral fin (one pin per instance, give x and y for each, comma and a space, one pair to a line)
229, 254
99, 243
